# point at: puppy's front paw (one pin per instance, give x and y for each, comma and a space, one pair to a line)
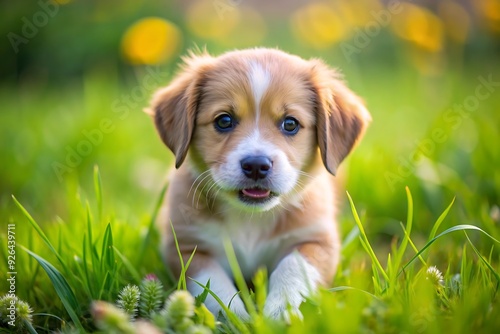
283, 306
292, 279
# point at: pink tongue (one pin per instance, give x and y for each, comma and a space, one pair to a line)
256, 193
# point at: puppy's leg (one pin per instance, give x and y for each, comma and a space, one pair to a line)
206, 268
297, 276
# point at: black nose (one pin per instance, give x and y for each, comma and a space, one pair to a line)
256, 167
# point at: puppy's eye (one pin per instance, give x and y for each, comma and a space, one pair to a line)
290, 125
224, 123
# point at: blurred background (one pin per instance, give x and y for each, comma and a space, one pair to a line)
75, 76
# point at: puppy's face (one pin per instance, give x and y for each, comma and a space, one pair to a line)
253, 120
255, 129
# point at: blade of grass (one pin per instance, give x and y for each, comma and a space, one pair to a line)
130, 267
29, 327
147, 239
234, 319
62, 288
451, 229
181, 259
351, 236
238, 277
182, 278
465, 268
104, 284
440, 220
398, 258
108, 257
83, 275
40, 232
413, 246
345, 288
98, 191
108, 264
497, 276
93, 254
86, 269
409, 224
363, 236
376, 276
260, 284
203, 296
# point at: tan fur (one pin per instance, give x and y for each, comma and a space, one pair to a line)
331, 117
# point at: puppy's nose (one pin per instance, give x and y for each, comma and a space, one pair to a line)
256, 167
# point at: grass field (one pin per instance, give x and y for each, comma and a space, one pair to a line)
425, 180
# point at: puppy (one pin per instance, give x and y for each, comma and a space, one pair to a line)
256, 135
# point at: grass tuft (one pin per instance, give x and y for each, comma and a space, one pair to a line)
102, 265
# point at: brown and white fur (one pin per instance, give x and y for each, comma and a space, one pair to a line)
268, 191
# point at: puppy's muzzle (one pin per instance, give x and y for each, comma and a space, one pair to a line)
256, 167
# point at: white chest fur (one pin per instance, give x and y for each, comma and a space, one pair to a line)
252, 240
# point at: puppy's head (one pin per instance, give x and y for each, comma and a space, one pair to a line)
254, 120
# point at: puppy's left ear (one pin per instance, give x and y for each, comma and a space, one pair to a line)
341, 116
173, 108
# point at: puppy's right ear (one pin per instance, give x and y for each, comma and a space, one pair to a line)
173, 108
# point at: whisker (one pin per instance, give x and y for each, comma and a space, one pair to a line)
215, 197
196, 189
192, 185
207, 195
202, 190
306, 174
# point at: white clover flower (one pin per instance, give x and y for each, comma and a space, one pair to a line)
435, 276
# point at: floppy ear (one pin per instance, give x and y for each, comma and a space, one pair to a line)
173, 108
341, 116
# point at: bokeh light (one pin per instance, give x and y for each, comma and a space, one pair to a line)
318, 25
150, 41
419, 26
357, 13
206, 20
249, 31
490, 11
231, 25
455, 19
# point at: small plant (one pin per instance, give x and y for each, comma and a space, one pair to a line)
15, 314
178, 315
128, 300
111, 319
151, 296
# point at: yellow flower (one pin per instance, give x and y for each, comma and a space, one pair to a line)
151, 40
419, 26
490, 10
319, 25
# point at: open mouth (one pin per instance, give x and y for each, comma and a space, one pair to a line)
255, 195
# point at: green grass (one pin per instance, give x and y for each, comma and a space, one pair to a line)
393, 297
87, 236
